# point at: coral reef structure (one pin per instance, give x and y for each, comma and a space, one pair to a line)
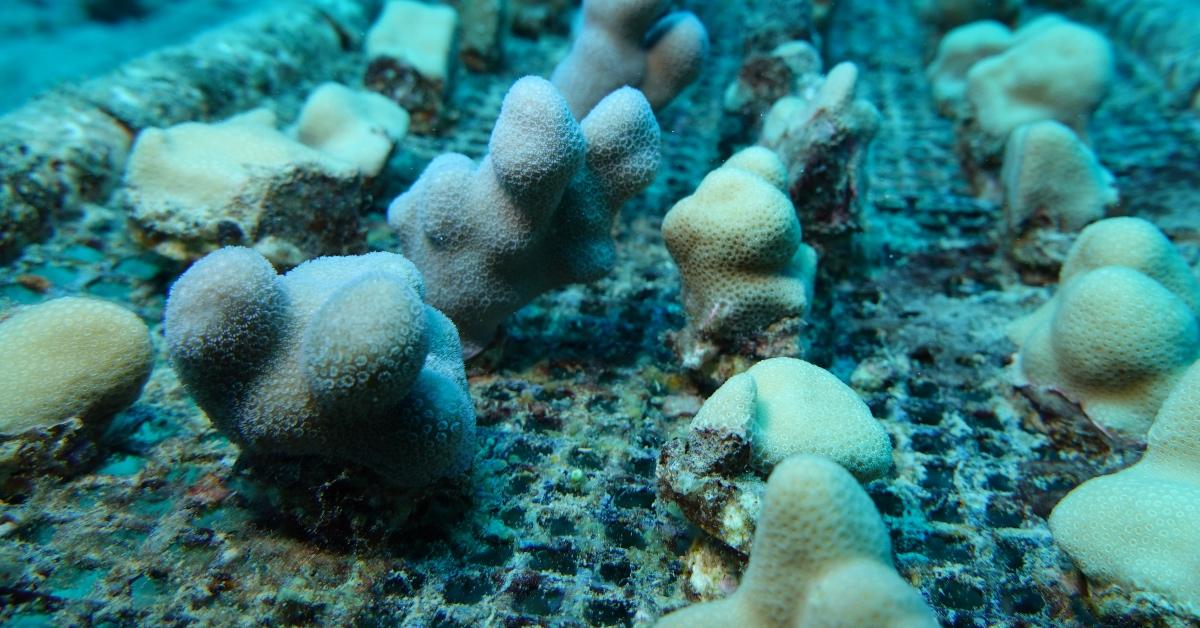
1136, 528
630, 42
958, 50
481, 30
778, 408
68, 149
67, 366
823, 137
821, 557
535, 213
310, 448
339, 359
1121, 329
792, 67
1054, 70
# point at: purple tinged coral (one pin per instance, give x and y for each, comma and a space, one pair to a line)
536, 213
339, 359
631, 42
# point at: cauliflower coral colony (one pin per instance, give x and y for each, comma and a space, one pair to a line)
763, 313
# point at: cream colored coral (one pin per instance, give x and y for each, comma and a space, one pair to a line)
206, 165
194, 186
821, 557
960, 49
1055, 70
354, 126
418, 34
70, 357
1137, 528
1052, 180
791, 407
737, 243
1121, 329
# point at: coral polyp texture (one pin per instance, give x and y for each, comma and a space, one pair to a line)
536, 213
778, 408
1053, 186
631, 42
821, 557
338, 359
737, 243
1121, 329
638, 253
1136, 529
70, 357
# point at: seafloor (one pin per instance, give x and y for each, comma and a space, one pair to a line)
559, 523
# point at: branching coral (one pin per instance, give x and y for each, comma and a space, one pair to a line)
338, 359
631, 42
535, 213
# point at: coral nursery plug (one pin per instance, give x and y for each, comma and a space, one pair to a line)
1137, 528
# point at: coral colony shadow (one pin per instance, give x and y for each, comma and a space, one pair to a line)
762, 313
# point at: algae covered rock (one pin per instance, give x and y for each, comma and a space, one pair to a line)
339, 359
195, 187
66, 367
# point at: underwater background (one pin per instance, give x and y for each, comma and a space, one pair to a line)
588, 495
